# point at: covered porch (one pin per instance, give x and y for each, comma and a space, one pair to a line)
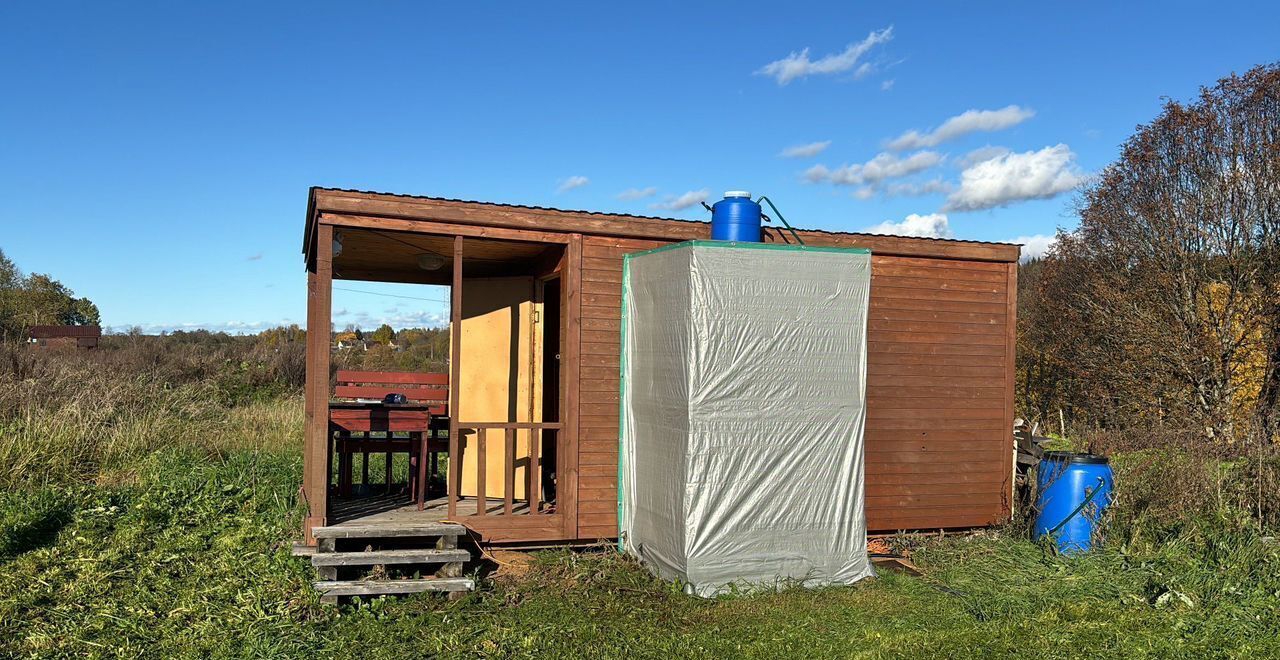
506, 436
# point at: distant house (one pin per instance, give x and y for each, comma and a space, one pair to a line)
73, 336
349, 340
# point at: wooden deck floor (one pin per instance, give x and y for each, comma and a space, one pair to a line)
378, 510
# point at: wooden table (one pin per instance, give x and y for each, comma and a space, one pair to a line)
378, 422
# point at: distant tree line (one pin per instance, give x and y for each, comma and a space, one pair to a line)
35, 299
1163, 307
387, 349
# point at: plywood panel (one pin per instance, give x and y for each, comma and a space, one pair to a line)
499, 376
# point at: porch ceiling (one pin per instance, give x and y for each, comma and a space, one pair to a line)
392, 256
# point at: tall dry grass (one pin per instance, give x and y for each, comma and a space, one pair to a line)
1167, 479
71, 416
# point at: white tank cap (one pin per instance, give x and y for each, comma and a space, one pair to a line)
737, 193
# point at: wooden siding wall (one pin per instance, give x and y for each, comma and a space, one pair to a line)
939, 388
939, 394
601, 347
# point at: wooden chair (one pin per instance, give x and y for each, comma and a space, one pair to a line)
358, 410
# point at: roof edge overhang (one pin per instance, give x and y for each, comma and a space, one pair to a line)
432, 209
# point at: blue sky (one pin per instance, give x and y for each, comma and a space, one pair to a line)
156, 156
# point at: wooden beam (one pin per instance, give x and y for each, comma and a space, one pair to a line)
454, 483
898, 246
496, 215
482, 505
571, 380
508, 472
428, 226
391, 211
315, 468
550, 262
1011, 379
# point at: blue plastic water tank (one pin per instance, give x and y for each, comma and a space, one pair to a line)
736, 218
1066, 480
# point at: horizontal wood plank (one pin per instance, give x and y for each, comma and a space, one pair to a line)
950, 339
984, 491
611, 275
889, 314
948, 270
934, 294
930, 367
940, 264
898, 390
376, 392
598, 532
404, 377
940, 282
879, 348
878, 303
937, 327
598, 494
891, 520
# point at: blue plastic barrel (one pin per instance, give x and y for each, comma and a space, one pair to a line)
1074, 489
736, 218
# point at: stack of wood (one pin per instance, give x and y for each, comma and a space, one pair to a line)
1030, 448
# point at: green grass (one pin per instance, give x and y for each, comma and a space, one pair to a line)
183, 551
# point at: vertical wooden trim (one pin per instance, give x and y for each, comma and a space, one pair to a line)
533, 473
508, 472
482, 503
1011, 378
570, 370
454, 483
315, 456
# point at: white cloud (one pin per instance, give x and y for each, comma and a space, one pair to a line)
933, 186
1034, 247
933, 225
1016, 177
919, 188
980, 154
970, 121
805, 150
691, 198
887, 85
817, 174
572, 182
798, 65
637, 193
883, 167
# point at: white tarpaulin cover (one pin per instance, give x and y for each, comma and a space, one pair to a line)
743, 404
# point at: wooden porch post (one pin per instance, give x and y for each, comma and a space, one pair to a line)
454, 483
571, 385
315, 456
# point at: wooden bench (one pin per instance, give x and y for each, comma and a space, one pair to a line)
360, 423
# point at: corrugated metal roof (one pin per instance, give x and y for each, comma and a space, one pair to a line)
629, 215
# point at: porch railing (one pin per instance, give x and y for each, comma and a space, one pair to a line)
477, 440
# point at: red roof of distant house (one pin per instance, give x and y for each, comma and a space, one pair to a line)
54, 331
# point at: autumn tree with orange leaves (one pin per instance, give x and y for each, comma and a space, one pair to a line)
1163, 307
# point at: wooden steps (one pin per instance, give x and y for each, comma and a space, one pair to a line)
354, 559
384, 557
389, 530
336, 588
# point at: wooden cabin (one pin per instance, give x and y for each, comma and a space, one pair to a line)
84, 337
534, 377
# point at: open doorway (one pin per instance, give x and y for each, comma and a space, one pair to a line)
552, 335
